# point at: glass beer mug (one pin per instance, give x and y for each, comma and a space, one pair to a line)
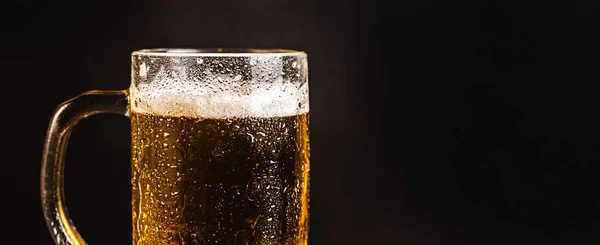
219, 147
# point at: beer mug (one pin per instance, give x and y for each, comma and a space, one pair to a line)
219, 147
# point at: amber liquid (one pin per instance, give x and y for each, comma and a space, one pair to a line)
220, 181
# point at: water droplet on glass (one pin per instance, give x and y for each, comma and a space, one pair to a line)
217, 152
165, 135
237, 78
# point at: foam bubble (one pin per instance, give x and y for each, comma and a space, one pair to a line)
221, 97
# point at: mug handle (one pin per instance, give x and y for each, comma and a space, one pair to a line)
63, 120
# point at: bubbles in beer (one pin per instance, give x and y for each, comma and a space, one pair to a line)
226, 181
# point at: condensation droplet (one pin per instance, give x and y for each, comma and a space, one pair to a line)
217, 152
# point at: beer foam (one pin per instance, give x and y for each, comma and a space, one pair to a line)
220, 97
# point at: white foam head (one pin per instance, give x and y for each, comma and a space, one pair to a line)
263, 90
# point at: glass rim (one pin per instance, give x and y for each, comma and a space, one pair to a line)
217, 52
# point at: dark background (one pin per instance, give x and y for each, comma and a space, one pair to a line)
433, 122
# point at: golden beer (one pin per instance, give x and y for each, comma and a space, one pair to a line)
220, 180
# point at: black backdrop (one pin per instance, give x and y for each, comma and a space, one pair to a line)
433, 122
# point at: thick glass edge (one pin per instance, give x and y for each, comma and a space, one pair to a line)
216, 52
